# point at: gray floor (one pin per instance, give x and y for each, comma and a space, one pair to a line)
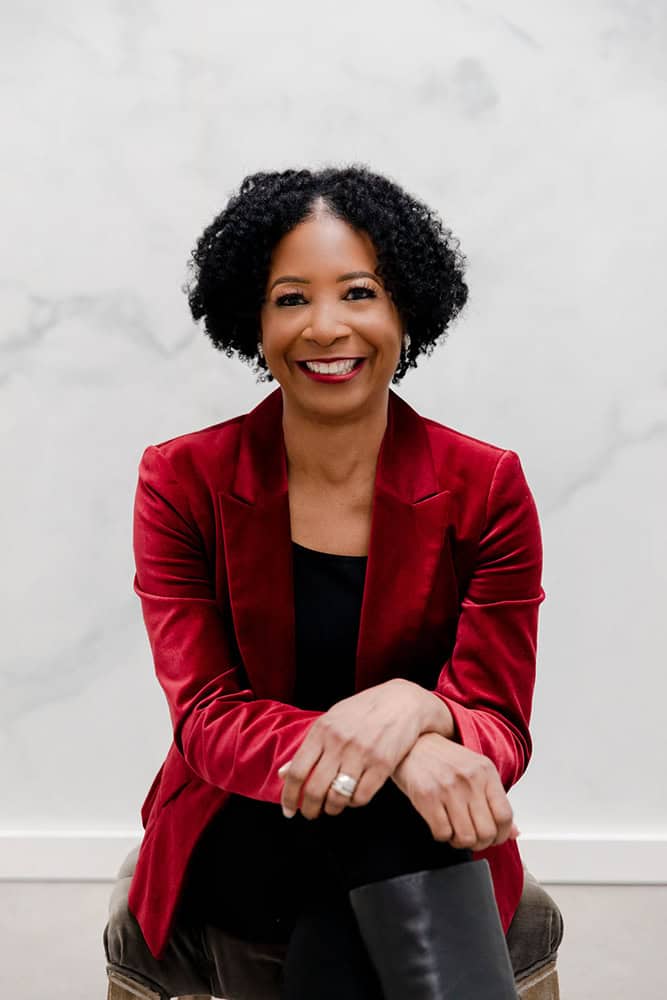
51, 941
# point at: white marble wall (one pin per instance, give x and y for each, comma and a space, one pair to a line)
538, 132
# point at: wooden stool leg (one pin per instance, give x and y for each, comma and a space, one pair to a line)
542, 985
122, 988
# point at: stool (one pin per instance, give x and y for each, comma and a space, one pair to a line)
205, 962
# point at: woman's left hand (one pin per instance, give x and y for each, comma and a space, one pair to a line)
365, 736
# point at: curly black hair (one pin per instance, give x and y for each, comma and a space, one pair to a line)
418, 258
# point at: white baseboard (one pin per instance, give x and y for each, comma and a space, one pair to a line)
81, 856
69, 856
596, 858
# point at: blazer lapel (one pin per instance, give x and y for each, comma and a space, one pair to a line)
408, 559
258, 551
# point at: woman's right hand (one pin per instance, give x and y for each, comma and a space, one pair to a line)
457, 791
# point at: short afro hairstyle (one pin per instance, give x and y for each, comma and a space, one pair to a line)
418, 258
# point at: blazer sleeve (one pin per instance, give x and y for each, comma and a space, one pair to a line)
226, 735
488, 681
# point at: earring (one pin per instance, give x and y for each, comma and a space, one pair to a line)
406, 342
263, 375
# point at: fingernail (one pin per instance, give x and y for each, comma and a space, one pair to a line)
288, 813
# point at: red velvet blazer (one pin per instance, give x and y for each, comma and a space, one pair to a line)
452, 589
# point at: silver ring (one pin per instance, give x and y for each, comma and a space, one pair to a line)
345, 784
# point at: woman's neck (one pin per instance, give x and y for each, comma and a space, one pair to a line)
333, 453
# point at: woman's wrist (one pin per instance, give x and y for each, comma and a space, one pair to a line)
434, 715
439, 719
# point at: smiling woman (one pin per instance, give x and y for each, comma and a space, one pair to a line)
341, 598
404, 261
333, 283
348, 332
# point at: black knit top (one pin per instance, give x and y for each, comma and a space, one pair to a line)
258, 895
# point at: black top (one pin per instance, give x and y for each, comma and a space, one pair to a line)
258, 895
327, 605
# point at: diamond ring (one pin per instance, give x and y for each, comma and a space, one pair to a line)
345, 784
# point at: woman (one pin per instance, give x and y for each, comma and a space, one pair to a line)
341, 597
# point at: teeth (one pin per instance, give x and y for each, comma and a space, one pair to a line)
335, 368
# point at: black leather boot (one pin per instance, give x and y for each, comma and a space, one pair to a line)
436, 934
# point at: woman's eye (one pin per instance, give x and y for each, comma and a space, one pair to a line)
362, 288
283, 299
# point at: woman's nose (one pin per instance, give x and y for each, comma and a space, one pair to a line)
325, 323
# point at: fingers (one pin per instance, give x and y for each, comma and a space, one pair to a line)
309, 788
364, 736
296, 775
321, 757
335, 802
319, 795
482, 818
371, 781
472, 816
459, 793
437, 817
458, 810
483, 822
315, 793
502, 812
474, 821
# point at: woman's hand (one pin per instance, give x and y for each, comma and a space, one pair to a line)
364, 736
458, 792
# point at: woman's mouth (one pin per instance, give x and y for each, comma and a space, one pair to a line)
338, 371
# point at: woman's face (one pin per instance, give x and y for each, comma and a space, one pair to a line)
317, 309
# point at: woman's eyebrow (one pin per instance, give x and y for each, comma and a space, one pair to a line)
343, 277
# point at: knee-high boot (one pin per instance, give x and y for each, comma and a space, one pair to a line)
436, 934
